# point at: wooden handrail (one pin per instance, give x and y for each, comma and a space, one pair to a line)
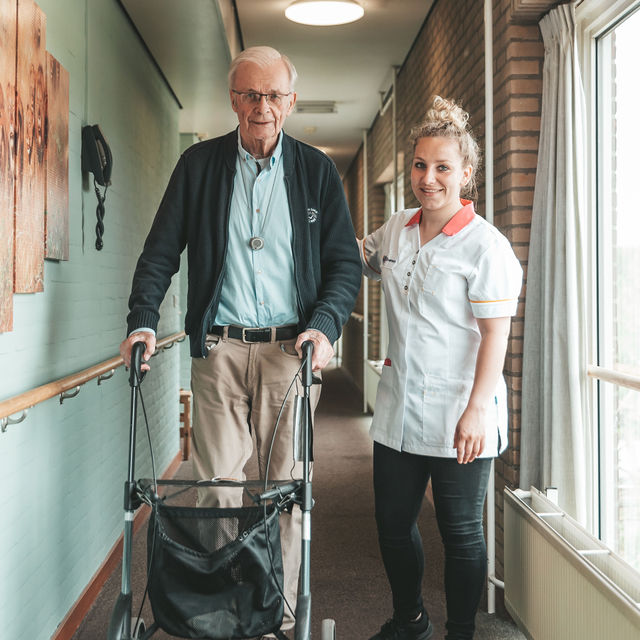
616, 377
59, 387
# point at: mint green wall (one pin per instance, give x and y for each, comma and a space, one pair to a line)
62, 470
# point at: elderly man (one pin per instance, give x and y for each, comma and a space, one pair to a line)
273, 262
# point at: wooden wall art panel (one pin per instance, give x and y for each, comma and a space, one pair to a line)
8, 13
57, 161
30, 140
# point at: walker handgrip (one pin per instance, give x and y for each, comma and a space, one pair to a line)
136, 375
307, 353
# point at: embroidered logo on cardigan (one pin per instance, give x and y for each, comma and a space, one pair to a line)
312, 214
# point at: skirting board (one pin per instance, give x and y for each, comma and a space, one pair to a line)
77, 613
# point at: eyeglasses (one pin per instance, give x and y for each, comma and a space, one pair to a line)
253, 97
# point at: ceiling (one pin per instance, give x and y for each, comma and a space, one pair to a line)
349, 64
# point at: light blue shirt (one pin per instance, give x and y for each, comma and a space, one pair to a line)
258, 289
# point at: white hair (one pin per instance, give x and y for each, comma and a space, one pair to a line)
263, 57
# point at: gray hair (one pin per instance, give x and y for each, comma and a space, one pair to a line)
263, 57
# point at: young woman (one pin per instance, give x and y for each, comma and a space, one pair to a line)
451, 283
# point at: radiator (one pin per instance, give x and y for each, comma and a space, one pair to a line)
561, 583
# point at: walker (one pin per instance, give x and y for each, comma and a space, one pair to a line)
216, 573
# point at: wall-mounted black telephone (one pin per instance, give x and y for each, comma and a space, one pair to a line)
97, 159
96, 154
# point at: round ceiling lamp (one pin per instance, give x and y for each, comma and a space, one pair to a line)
324, 13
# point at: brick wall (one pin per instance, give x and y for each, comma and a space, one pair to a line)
352, 340
380, 151
376, 219
447, 58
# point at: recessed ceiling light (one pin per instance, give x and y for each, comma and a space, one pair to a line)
324, 13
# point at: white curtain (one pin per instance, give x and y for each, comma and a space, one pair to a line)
555, 442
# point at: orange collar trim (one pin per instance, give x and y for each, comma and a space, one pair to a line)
417, 216
459, 221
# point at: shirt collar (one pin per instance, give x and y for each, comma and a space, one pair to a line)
247, 157
459, 221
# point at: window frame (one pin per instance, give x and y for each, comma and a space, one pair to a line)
594, 18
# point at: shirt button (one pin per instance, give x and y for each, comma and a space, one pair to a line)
259, 271
408, 273
413, 262
257, 210
262, 302
406, 288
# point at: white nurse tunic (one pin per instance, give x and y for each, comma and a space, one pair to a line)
433, 295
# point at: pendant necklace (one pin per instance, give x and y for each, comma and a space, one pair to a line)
257, 242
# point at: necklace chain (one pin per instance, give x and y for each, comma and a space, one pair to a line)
256, 242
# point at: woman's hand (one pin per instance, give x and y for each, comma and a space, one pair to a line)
470, 434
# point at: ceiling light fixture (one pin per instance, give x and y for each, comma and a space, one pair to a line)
324, 13
316, 106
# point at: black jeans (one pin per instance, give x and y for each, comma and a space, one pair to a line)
400, 480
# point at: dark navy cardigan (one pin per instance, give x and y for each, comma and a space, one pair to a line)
194, 212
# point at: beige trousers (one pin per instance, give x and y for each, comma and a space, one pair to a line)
238, 389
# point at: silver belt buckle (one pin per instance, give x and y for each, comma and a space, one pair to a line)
263, 330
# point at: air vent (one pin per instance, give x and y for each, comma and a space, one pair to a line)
316, 106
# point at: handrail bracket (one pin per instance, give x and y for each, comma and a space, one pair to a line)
72, 393
106, 376
5, 422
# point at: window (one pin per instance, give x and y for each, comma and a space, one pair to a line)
615, 94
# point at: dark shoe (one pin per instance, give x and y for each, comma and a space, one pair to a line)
395, 630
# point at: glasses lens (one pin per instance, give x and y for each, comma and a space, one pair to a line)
254, 97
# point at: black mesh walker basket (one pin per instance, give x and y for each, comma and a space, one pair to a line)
215, 573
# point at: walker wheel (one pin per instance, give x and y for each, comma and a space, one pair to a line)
328, 629
138, 628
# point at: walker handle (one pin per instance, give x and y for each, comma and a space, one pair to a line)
136, 374
307, 353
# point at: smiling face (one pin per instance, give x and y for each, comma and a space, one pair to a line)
438, 175
261, 122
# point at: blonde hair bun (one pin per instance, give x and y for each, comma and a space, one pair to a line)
445, 112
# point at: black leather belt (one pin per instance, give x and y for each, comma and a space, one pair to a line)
263, 334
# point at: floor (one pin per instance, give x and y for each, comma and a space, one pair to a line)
347, 578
